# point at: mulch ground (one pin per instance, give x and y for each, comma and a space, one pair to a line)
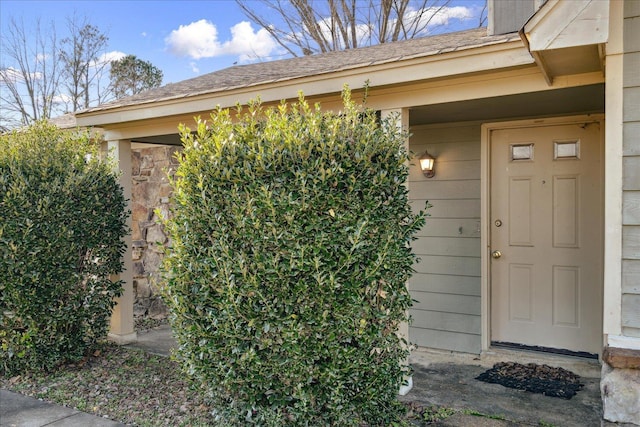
534, 378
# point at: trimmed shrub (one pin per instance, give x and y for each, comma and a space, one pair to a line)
62, 220
289, 261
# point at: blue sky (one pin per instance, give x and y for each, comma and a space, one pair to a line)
182, 38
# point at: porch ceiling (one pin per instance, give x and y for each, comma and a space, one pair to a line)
575, 100
169, 139
582, 99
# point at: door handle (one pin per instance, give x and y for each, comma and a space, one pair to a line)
496, 254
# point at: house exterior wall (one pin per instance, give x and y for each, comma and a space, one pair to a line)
150, 193
447, 279
620, 379
631, 172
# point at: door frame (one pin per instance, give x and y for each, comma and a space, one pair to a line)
485, 200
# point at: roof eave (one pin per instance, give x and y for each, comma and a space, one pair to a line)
567, 37
507, 54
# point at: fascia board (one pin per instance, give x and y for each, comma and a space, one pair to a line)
461, 88
455, 63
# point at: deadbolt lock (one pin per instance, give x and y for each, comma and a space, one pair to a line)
498, 223
496, 254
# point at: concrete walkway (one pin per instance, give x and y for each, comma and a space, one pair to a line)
440, 379
448, 379
17, 410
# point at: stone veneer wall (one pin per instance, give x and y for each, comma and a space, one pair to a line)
151, 192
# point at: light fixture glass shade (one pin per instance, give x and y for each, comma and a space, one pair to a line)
427, 162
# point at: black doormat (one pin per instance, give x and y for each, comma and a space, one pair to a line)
555, 382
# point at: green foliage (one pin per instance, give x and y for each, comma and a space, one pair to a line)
434, 414
289, 261
130, 76
62, 220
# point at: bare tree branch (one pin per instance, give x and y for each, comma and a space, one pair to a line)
80, 56
482, 20
307, 26
45, 77
28, 87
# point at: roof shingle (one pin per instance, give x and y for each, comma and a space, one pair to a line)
288, 69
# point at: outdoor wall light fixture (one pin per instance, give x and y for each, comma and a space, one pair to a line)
427, 163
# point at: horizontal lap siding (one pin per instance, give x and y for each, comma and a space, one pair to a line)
455, 266
446, 284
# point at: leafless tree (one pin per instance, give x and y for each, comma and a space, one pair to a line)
29, 87
482, 19
312, 27
46, 76
83, 66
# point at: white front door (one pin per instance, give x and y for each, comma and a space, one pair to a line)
546, 222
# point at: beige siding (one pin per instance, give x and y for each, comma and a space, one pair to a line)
631, 277
446, 284
631, 207
631, 175
631, 147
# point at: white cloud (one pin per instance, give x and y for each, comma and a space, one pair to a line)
430, 18
200, 40
12, 75
427, 20
143, 34
114, 55
248, 44
107, 57
197, 40
42, 57
444, 15
63, 98
194, 67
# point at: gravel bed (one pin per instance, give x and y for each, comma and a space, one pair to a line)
122, 384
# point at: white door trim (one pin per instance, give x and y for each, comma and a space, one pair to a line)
485, 202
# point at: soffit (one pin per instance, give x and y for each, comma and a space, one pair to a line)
557, 102
571, 100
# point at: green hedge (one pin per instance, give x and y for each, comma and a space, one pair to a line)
62, 219
289, 261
